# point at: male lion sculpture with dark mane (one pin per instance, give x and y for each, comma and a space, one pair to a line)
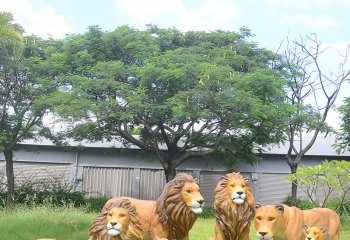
173, 214
119, 221
234, 204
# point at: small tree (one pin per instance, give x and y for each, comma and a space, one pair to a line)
25, 93
312, 95
320, 181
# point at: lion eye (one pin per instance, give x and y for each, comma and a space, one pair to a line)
307, 232
259, 218
232, 185
271, 219
109, 214
188, 191
122, 215
243, 186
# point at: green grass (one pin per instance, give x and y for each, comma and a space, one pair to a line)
74, 224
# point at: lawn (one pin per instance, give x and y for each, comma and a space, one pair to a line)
74, 224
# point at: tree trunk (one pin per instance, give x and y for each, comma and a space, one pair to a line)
10, 178
294, 168
169, 172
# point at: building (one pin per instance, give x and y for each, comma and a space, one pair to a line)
109, 169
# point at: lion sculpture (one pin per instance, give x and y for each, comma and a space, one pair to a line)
173, 214
281, 222
119, 221
234, 204
315, 233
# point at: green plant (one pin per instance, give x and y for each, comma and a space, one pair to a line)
301, 203
322, 181
208, 212
95, 204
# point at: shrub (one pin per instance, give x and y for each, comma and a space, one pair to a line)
301, 203
208, 212
95, 204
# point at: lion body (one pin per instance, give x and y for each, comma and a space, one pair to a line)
285, 223
233, 215
170, 217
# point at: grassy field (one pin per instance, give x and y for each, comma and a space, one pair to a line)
74, 224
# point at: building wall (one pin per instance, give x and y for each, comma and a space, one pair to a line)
116, 172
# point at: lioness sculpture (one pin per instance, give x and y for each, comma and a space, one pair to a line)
282, 222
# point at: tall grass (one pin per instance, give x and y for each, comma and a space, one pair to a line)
69, 223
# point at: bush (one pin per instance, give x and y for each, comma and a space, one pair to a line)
95, 204
301, 203
208, 212
50, 191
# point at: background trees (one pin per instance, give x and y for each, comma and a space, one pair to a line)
175, 95
25, 89
312, 93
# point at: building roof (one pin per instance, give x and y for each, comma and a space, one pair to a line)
321, 147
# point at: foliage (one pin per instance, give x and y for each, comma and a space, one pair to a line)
320, 181
301, 203
208, 212
95, 204
49, 192
343, 137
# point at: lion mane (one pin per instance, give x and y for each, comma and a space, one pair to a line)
99, 231
232, 219
173, 213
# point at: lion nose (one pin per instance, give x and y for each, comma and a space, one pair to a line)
113, 223
262, 233
239, 193
200, 201
309, 238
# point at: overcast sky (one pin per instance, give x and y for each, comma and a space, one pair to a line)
270, 20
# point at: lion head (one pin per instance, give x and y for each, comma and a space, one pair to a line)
268, 220
315, 233
179, 205
119, 221
234, 204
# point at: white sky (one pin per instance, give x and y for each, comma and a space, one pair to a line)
270, 20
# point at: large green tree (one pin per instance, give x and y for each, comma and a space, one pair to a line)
175, 95
25, 90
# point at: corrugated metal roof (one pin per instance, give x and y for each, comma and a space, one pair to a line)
322, 146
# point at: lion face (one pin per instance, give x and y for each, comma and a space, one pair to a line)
117, 221
314, 233
192, 197
268, 221
237, 188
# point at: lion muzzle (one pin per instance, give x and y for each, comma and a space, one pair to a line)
263, 235
238, 197
197, 206
114, 228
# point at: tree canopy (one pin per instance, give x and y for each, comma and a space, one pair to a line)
176, 95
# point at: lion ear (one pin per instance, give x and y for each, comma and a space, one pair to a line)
306, 227
280, 207
324, 230
257, 206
